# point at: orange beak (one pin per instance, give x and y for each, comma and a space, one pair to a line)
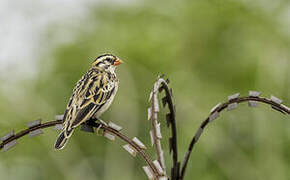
118, 62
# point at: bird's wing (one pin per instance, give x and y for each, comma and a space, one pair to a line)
90, 94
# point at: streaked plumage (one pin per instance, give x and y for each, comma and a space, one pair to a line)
92, 96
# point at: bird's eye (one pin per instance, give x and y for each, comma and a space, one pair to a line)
109, 60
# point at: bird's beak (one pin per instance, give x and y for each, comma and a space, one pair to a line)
118, 62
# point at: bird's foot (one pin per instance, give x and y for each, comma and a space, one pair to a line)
98, 129
102, 123
98, 121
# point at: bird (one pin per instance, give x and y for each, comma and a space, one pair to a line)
92, 96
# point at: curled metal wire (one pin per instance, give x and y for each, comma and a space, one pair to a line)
160, 85
231, 104
90, 123
28, 130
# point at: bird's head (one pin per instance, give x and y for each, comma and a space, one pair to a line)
107, 62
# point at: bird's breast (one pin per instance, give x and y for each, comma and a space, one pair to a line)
108, 103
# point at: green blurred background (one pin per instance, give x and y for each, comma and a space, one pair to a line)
208, 49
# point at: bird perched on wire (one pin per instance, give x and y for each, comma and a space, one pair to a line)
92, 96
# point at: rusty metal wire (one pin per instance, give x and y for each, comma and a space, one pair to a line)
129, 141
90, 123
231, 104
160, 85
28, 130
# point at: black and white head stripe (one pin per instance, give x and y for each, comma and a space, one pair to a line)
107, 59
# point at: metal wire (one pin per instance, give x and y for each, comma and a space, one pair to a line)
273, 101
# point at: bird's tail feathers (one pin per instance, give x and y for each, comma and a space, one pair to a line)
62, 140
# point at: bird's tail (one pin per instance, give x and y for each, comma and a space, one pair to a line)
62, 140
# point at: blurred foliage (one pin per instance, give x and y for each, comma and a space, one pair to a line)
208, 49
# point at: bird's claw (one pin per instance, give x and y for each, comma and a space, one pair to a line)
102, 123
98, 129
